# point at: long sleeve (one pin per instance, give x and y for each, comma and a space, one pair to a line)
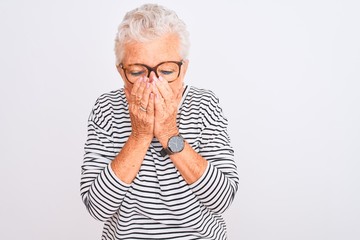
218, 185
159, 204
102, 192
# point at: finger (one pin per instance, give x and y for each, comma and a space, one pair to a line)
156, 89
164, 88
159, 103
146, 94
131, 105
164, 83
140, 89
134, 90
151, 104
158, 99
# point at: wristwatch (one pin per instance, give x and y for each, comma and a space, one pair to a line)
175, 145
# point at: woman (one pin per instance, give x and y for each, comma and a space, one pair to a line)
158, 162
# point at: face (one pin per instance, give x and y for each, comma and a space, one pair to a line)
163, 49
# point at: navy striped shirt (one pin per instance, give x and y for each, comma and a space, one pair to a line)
159, 204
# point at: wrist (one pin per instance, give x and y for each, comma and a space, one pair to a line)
175, 145
141, 138
165, 136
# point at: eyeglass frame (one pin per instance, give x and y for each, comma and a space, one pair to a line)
152, 69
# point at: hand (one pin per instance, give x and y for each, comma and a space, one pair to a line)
166, 109
141, 109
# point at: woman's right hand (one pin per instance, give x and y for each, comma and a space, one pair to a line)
141, 108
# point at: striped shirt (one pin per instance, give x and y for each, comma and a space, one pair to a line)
159, 204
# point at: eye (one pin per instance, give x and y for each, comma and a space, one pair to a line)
136, 73
168, 69
166, 72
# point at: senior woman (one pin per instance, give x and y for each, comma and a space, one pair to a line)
158, 161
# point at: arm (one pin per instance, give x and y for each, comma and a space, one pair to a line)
107, 172
211, 172
218, 185
101, 191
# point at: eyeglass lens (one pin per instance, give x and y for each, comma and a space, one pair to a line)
167, 70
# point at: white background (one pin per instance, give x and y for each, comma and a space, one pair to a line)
287, 74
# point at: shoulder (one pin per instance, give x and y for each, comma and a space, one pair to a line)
106, 103
205, 96
111, 97
206, 102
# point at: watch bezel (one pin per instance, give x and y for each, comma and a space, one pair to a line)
168, 150
174, 139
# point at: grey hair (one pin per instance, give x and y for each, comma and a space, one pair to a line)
148, 22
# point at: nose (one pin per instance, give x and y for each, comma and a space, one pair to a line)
152, 75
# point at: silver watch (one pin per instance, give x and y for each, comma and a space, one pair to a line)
175, 145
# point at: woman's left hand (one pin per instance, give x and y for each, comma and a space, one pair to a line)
166, 108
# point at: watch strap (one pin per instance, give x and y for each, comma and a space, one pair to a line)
167, 151
164, 152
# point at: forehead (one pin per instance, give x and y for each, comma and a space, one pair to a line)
165, 48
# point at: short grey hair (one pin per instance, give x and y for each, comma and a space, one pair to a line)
148, 22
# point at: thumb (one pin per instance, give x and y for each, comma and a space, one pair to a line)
151, 104
180, 94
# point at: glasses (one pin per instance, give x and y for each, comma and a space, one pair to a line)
169, 71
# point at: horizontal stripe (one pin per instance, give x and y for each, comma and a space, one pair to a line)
159, 204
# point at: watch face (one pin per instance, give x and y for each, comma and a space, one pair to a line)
176, 144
